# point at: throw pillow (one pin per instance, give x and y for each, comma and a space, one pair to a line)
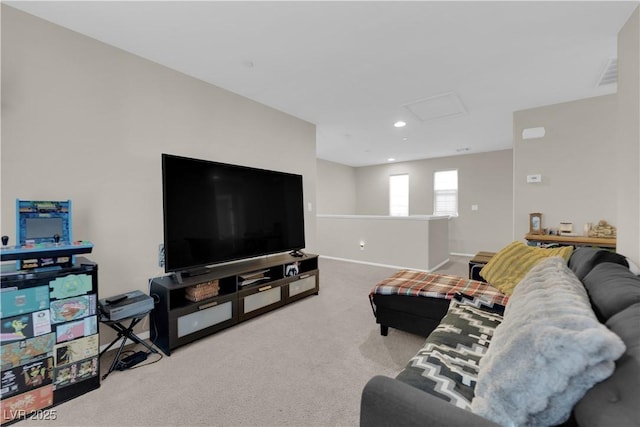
509, 266
584, 259
547, 352
611, 288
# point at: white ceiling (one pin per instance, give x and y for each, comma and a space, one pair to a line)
352, 67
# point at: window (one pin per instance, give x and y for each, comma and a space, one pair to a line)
445, 193
399, 195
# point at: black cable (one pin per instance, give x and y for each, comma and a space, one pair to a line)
149, 363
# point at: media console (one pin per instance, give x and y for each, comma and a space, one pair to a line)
244, 290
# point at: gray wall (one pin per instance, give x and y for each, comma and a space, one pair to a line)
85, 121
589, 156
484, 179
336, 190
628, 153
576, 159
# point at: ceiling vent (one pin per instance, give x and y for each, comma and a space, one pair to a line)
610, 73
445, 105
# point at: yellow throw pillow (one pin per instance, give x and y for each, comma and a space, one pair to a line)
509, 266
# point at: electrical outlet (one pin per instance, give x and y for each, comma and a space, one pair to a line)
161, 255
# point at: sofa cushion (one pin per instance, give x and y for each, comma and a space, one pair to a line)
548, 351
584, 259
447, 364
614, 401
611, 288
509, 266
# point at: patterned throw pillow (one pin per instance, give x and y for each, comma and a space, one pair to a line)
509, 266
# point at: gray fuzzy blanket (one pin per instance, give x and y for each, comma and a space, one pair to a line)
548, 351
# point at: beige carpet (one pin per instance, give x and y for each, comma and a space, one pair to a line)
302, 365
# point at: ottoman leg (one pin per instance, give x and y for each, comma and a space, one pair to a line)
384, 330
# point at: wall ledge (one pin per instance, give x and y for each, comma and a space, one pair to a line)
387, 217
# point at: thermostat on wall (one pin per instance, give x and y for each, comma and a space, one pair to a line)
534, 178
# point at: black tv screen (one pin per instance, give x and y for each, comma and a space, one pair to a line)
216, 212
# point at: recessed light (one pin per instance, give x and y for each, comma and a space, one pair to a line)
405, 138
399, 124
391, 159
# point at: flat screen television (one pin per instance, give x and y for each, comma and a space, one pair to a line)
217, 212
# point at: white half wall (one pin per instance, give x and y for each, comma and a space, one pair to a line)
416, 242
485, 196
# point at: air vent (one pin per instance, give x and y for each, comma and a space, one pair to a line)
610, 73
445, 105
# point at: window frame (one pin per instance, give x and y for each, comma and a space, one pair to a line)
445, 192
393, 205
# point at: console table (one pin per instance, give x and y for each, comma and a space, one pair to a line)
540, 239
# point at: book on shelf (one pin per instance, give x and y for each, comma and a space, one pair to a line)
253, 277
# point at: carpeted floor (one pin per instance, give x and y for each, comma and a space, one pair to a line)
302, 365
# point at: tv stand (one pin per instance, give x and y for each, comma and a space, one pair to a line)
246, 289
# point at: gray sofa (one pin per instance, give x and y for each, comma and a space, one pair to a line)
613, 296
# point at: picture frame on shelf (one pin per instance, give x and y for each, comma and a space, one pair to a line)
535, 223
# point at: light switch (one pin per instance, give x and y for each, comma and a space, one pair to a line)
534, 178
474, 207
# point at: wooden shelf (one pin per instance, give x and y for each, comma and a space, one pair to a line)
572, 240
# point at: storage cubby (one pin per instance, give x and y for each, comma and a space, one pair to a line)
246, 289
50, 331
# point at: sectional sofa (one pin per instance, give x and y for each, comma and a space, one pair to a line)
565, 350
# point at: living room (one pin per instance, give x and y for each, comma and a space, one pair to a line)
85, 121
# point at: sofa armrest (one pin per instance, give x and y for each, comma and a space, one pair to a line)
389, 402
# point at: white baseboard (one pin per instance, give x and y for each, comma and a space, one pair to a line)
399, 267
440, 265
459, 254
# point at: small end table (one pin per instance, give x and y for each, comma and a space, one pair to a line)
124, 333
477, 262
